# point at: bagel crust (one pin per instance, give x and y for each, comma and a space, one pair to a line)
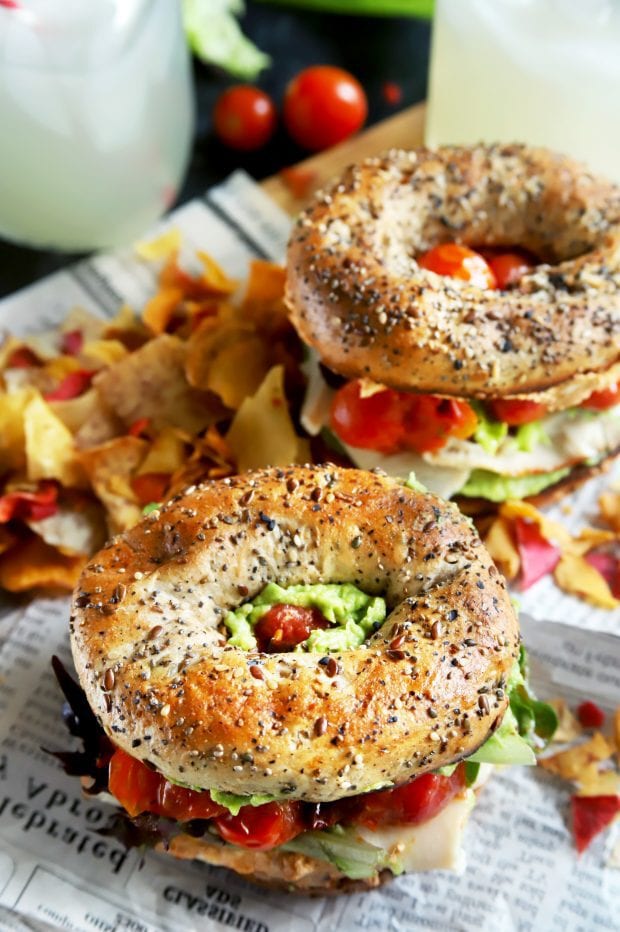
358, 296
426, 689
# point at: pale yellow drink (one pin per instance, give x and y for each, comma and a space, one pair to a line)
544, 72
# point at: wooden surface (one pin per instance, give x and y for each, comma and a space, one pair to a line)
405, 130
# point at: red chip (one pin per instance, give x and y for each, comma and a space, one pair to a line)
538, 556
72, 386
72, 342
591, 815
590, 715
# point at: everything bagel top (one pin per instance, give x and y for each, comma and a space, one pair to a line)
427, 688
358, 296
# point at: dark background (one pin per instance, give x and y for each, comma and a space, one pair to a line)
374, 49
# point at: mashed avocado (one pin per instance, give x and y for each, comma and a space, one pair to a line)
485, 484
354, 615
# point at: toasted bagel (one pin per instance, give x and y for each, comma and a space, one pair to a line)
357, 295
426, 689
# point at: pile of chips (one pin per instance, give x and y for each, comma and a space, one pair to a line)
101, 418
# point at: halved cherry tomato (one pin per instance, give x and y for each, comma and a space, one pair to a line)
515, 411
322, 106
508, 267
244, 117
374, 422
430, 421
30, 506
282, 627
262, 827
150, 486
72, 386
606, 398
459, 262
413, 803
139, 789
388, 421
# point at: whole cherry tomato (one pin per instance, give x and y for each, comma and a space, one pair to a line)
374, 422
458, 261
515, 411
322, 106
508, 267
244, 117
430, 421
282, 627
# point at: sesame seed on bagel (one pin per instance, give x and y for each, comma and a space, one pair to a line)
425, 689
358, 296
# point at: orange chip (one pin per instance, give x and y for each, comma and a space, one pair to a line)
6, 539
167, 452
598, 781
214, 279
568, 726
160, 309
33, 564
229, 361
300, 181
164, 246
265, 284
500, 544
576, 576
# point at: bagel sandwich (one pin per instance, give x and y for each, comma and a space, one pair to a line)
301, 674
462, 312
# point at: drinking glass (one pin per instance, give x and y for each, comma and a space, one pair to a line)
96, 117
544, 72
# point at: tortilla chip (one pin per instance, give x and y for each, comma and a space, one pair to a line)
229, 361
168, 452
590, 537
32, 563
50, 449
73, 530
12, 433
164, 246
262, 432
576, 576
596, 781
79, 318
552, 531
110, 468
151, 383
500, 543
568, 726
214, 279
572, 763
57, 369
104, 352
609, 504
6, 539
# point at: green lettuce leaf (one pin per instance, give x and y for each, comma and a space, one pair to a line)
532, 435
420, 8
485, 484
234, 803
489, 434
537, 720
345, 850
214, 36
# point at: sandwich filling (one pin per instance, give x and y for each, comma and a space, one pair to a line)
413, 826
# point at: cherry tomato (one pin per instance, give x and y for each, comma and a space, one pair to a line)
150, 486
515, 411
262, 827
244, 117
372, 423
139, 789
590, 715
459, 262
413, 803
430, 421
284, 626
322, 106
606, 398
508, 267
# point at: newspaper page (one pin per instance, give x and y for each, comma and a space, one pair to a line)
58, 872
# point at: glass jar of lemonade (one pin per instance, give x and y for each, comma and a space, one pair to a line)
96, 110
544, 72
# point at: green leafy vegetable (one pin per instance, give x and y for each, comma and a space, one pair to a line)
537, 720
234, 803
412, 483
489, 434
345, 850
150, 508
485, 484
532, 435
214, 35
